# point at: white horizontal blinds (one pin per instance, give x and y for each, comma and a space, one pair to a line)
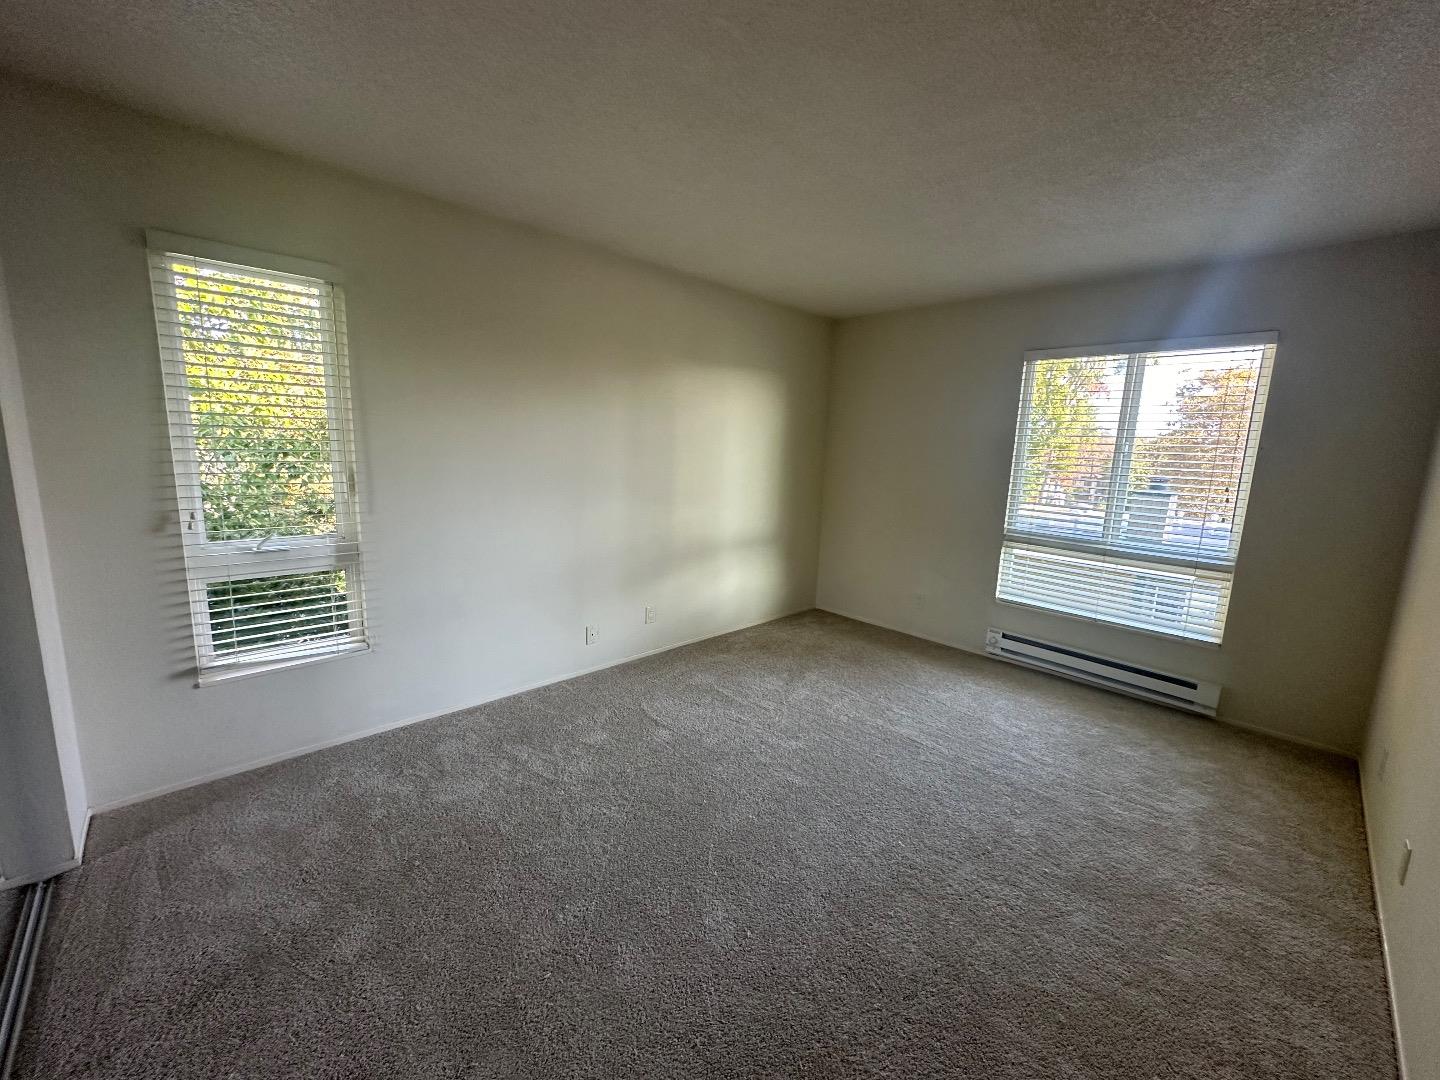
257, 395
1148, 596
1069, 422
1129, 483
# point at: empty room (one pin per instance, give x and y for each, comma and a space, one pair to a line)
719, 539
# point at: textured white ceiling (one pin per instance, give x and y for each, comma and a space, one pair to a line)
840, 155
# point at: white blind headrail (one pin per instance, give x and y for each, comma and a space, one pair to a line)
1130, 478
256, 384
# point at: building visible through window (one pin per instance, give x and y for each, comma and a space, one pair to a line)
1131, 473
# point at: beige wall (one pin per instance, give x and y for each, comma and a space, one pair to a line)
551, 436
1402, 797
922, 422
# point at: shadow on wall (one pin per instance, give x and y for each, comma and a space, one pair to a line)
693, 492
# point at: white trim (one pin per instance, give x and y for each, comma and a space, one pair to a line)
84, 837
1162, 345
948, 642
1148, 556
209, 561
1283, 736
231, 671
158, 240
1384, 939
1123, 454
391, 725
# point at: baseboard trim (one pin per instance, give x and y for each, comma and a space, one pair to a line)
82, 837
1384, 937
1283, 736
392, 725
902, 630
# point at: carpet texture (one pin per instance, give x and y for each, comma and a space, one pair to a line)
813, 848
9, 917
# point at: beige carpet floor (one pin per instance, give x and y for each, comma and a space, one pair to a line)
809, 849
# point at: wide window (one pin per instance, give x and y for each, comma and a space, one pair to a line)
258, 402
1131, 472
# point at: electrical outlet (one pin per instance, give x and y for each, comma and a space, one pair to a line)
649, 614
1383, 765
592, 634
1405, 862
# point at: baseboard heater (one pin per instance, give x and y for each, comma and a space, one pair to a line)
1121, 676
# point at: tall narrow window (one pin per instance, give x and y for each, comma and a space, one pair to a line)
257, 395
1131, 473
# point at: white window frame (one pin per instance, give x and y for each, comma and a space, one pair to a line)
1111, 545
212, 562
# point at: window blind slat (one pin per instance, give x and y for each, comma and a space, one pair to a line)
256, 389
1129, 483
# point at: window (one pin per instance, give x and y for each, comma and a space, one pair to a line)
1131, 472
258, 403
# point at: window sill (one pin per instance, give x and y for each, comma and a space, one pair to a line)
1140, 556
224, 673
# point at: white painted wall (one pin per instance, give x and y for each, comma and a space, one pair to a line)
1401, 774
922, 424
551, 436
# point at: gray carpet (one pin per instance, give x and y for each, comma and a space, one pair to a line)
9, 916
809, 849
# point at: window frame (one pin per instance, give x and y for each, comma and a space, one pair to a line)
1136, 355
209, 562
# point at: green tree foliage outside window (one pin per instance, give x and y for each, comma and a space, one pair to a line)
1201, 452
258, 406
260, 417
1065, 440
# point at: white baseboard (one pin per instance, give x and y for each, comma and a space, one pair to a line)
1384, 938
83, 836
391, 725
902, 630
1283, 736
